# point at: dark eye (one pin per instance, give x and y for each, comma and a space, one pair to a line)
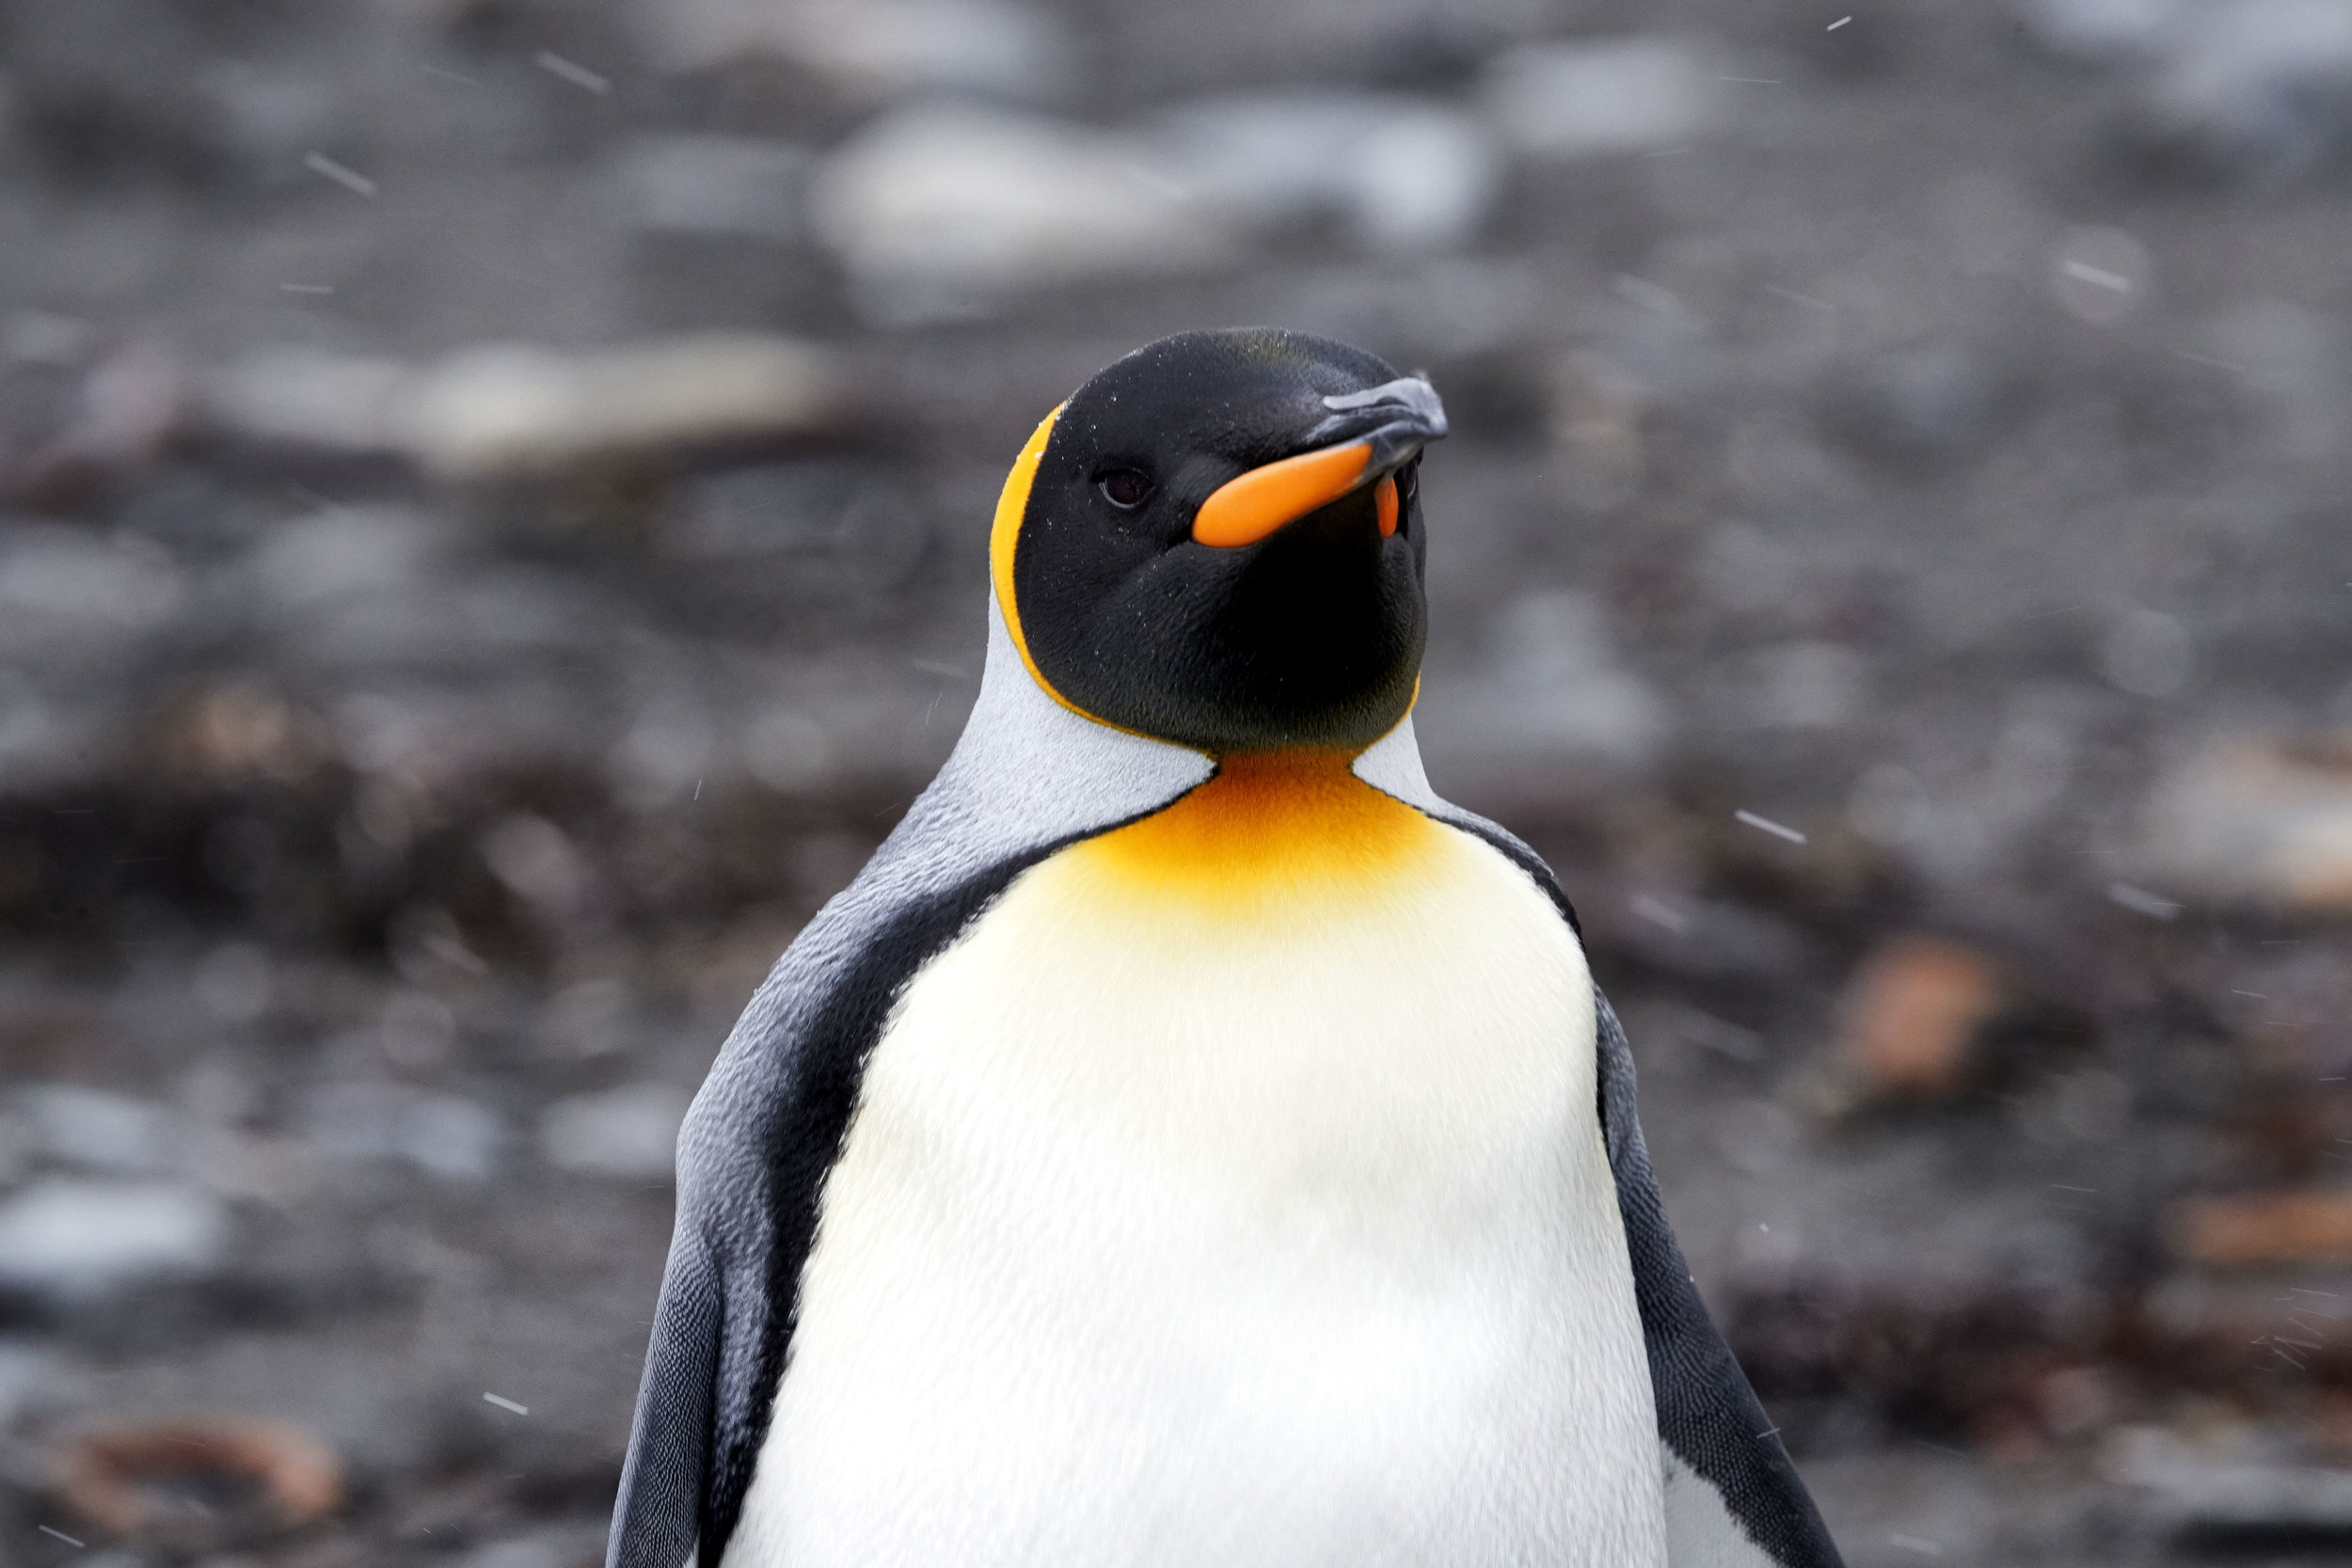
1124, 488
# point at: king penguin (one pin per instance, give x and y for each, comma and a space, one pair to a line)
1191, 1143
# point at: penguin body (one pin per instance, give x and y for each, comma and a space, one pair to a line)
1232, 1191
1190, 1141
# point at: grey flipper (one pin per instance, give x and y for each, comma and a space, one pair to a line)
1733, 1498
1027, 777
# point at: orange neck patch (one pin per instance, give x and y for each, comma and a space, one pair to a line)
1271, 830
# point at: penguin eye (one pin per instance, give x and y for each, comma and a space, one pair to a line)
1124, 488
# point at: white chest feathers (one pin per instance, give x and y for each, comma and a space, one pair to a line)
1231, 1194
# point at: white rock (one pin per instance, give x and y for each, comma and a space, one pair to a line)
631, 1130
524, 1552
2104, 31
452, 1138
1598, 98
538, 861
1744, 568
2254, 822
1556, 694
311, 397
2188, 1485
503, 410
1404, 174
27, 1375
2294, 359
347, 552
20, 1143
63, 593
80, 1239
788, 749
2265, 85
1806, 686
102, 1131
875, 47
750, 186
2148, 654
936, 208
507, 408
235, 983
40, 739
355, 1122
444, 1136
1570, 691
668, 749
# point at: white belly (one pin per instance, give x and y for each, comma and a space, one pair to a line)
1167, 1237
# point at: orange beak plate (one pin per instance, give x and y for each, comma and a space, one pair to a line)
1247, 508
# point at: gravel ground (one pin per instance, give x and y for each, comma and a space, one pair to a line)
492, 504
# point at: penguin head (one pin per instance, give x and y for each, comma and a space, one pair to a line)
1218, 541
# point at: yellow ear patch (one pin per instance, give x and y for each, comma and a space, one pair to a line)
1013, 504
1273, 834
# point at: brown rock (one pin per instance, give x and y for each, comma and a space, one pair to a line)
1914, 1014
237, 733
2263, 1229
138, 1482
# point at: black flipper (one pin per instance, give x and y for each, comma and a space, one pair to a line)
657, 1516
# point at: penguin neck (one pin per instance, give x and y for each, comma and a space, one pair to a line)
1288, 824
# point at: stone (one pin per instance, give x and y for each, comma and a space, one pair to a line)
2148, 654
1599, 98
940, 208
2103, 32
444, 1136
875, 50
1922, 408
1804, 686
2259, 89
750, 187
1913, 1017
1555, 691
508, 411
2263, 1497
78, 1240
102, 420
2263, 1230
132, 1481
101, 1131
454, 1138
29, 1377
66, 596
511, 409
1402, 174
2263, 823
627, 1132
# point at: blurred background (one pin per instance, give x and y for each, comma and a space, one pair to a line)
492, 511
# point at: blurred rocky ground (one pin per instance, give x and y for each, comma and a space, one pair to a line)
492, 501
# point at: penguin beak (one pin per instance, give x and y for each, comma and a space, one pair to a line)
1380, 430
